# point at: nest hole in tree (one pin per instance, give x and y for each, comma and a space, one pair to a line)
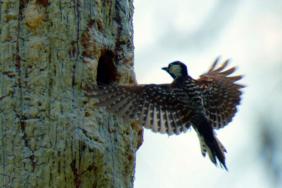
106, 71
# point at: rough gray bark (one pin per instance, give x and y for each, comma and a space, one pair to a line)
50, 134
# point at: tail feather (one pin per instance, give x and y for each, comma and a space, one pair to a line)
208, 141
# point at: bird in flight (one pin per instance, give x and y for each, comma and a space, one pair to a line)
206, 104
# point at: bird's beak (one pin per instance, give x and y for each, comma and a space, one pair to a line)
165, 68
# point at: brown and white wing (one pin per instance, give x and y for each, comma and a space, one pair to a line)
221, 93
155, 106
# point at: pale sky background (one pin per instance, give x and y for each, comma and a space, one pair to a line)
196, 32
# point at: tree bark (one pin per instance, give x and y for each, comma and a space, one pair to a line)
51, 135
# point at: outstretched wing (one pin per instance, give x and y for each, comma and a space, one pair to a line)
221, 93
155, 106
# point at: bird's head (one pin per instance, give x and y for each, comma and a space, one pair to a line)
176, 69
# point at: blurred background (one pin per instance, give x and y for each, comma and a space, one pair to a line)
196, 32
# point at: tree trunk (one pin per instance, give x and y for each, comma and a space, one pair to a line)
51, 135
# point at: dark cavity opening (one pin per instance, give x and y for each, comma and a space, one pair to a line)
106, 71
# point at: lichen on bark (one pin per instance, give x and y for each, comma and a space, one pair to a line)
50, 134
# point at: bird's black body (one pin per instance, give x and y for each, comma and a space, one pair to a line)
190, 93
206, 104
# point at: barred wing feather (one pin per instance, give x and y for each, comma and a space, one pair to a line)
155, 106
221, 93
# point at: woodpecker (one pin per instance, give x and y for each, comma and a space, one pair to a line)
206, 104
